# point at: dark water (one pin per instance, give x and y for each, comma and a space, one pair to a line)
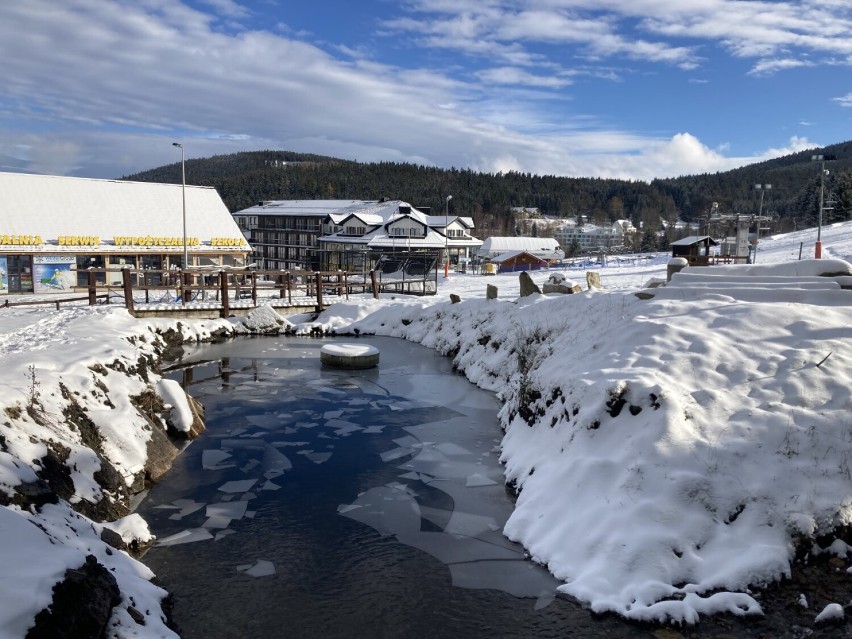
328, 503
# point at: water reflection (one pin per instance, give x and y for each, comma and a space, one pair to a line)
345, 503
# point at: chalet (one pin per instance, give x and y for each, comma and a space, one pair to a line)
285, 233
349, 234
394, 227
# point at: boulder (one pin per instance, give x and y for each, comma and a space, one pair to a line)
491, 292
82, 604
528, 287
561, 288
593, 279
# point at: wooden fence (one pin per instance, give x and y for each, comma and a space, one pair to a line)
137, 287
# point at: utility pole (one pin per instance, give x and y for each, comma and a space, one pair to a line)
822, 159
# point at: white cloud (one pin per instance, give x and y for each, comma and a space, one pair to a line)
519, 77
755, 29
844, 100
127, 78
766, 67
795, 144
228, 8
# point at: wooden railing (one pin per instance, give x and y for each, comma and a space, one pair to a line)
134, 287
712, 260
223, 286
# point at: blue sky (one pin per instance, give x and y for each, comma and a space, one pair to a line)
633, 89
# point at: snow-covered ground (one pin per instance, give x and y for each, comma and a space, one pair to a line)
669, 452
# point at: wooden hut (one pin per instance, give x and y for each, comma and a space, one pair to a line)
695, 248
514, 261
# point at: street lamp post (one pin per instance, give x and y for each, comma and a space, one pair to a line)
447, 235
822, 159
183, 195
763, 188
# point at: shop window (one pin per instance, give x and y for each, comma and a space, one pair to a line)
84, 263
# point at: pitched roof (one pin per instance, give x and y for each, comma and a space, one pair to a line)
505, 257
318, 208
529, 244
51, 206
694, 239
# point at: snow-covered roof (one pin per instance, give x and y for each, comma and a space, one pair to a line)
369, 219
51, 207
318, 208
381, 239
505, 257
529, 244
439, 221
693, 239
386, 215
413, 214
541, 247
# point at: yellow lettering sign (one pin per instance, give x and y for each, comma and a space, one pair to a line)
79, 240
152, 240
20, 240
227, 241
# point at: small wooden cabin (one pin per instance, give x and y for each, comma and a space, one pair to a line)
695, 248
514, 261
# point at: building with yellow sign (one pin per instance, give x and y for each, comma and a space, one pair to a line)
53, 229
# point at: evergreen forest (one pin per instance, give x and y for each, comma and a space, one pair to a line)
247, 178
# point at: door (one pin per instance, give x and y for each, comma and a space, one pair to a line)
20, 273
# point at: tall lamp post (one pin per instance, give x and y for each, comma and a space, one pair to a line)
763, 188
822, 159
183, 195
447, 235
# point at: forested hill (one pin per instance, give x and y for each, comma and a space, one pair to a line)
244, 179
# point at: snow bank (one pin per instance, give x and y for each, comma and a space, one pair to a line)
668, 453
177, 403
68, 386
37, 549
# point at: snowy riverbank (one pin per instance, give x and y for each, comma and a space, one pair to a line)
669, 452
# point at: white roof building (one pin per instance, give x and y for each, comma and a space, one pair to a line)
394, 225
546, 248
388, 224
53, 225
54, 214
338, 234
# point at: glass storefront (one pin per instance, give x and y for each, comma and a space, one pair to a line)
85, 262
20, 273
37, 273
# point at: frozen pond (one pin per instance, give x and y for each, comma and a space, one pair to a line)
333, 503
